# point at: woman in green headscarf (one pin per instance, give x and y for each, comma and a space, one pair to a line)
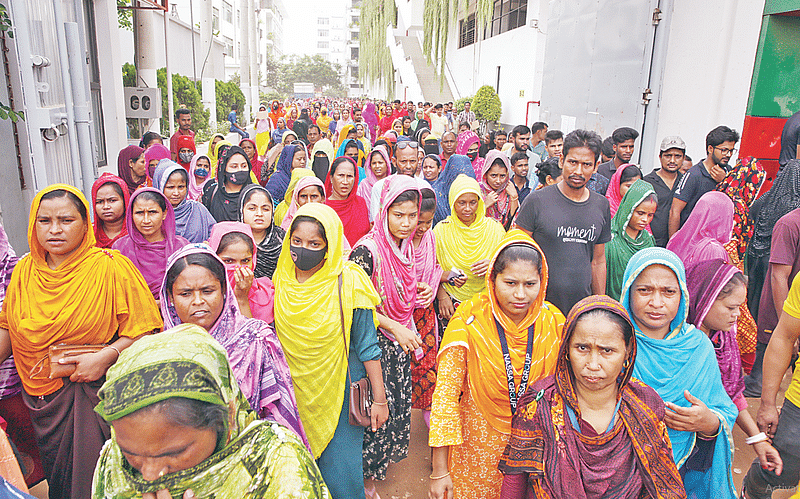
181, 424
630, 232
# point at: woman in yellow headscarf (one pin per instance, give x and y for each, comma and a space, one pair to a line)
321, 299
475, 398
69, 291
212, 149
219, 152
465, 241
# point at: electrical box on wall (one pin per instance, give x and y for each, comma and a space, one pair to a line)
142, 102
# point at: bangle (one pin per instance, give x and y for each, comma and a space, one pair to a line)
761, 437
709, 437
439, 477
115, 349
380, 403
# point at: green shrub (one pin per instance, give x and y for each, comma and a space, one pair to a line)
184, 95
459, 104
228, 94
486, 105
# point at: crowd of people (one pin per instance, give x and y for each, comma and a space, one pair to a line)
259, 319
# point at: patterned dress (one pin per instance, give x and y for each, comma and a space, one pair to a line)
423, 371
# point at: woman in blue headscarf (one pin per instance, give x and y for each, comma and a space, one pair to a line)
456, 165
677, 360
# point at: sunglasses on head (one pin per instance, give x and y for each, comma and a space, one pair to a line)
407, 143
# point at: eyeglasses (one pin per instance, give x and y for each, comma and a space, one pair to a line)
407, 143
725, 151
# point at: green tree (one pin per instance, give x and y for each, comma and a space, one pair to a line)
325, 75
128, 75
486, 105
124, 16
184, 95
375, 60
228, 95
5, 30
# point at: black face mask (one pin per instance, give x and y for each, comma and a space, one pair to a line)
472, 155
320, 167
237, 178
306, 259
431, 148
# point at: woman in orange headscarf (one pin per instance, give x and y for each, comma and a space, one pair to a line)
474, 398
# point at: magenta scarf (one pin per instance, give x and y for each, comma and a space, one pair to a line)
294, 206
395, 269
706, 231
262, 293
428, 269
499, 210
464, 140
126, 155
613, 195
365, 187
155, 151
150, 258
195, 189
705, 281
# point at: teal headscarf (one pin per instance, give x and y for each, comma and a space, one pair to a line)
684, 360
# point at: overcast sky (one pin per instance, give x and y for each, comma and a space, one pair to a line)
299, 30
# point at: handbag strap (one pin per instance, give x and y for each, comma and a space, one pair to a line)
344, 336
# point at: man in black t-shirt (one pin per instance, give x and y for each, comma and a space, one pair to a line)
623, 139
571, 224
790, 140
704, 176
664, 181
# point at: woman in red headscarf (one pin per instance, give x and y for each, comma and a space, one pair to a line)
186, 150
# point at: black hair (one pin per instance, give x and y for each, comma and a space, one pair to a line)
234, 237
622, 134
539, 125
721, 134
75, 200
351, 144
518, 156
409, 195
182, 172
499, 132
548, 167
516, 252
608, 147
181, 111
249, 194
204, 260
650, 197
520, 130
148, 136
428, 203
233, 107
438, 106
463, 123
305, 218
231, 152
191, 413
623, 326
396, 101
552, 135
160, 200
583, 138
630, 172
686, 157
466, 102
116, 188
738, 279
314, 126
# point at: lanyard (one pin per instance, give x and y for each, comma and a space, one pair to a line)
513, 394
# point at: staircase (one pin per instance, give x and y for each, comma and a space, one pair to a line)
429, 81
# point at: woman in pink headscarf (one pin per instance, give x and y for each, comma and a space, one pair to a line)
152, 155
378, 167
302, 195
370, 115
706, 231
469, 144
499, 194
619, 184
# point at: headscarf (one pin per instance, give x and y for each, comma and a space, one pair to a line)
253, 459
283, 206
103, 241
255, 163
91, 296
262, 292
127, 155
621, 247
324, 146
274, 114
395, 274
323, 120
500, 210
684, 360
353, 211
150, 258
255, 354
459, 246
783, 197
308, 323
705, 282
306, 181
192, 220
613, 194
474, 326
343, 137
370, 116
279, 181
195, 190
465, 140
428, 269
224, 205
269, 249
365, 187
185, 141
705, 232
155, 151
562, 463
212, 151
742, 185
455, 166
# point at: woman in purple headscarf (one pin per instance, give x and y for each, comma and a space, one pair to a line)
716, 291
706, 231
151, 238
132, 167
370, 115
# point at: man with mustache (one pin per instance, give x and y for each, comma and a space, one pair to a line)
571, 224
664, 181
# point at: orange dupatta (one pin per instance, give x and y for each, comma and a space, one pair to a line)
473, 327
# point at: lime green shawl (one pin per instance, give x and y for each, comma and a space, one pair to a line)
259, 459
621, 247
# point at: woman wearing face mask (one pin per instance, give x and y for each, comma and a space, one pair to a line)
308, 319
196, 290
151, 237
225, 452
378, 167
234, 244
256, 210
249, 147
499, 193
292, 157
192, 219
221, 195
308, 190
321, 158
186, 151
469, 145
619, 184
340, 188
110, 197
199, 174
152, 156
132, 167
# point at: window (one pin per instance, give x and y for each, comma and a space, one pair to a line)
354, 71
227, 12
323, 20
228, 46
354, 53
323, 45
354, 20
323, 33
354, 36
466, 31
507, 15
215, 19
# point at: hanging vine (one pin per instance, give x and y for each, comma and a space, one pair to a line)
374, 57
437, 16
